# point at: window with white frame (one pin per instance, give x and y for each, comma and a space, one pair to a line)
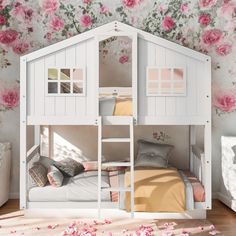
166, 81
66, 81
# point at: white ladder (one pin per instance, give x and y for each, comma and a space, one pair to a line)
130, 164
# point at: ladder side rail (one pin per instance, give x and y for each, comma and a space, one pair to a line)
99, 123
132, 166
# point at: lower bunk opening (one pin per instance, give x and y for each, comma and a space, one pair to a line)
169, 171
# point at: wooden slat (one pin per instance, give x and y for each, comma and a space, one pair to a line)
160, 61
49, 101
91, 80
151, 58
39, 91
142, 64
81, 62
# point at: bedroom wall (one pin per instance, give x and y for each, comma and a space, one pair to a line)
80, 142
206, 26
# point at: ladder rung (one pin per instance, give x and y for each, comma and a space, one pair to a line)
116, 140
110, 164
117, 189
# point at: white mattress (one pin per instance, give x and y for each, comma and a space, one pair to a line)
81, 188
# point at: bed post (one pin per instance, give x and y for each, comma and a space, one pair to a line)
37, 138
23, 134
207, 153
192, 141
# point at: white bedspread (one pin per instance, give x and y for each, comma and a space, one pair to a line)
81, 188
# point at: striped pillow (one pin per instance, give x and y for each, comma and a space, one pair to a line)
39, 174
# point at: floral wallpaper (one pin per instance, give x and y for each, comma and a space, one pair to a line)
208, 26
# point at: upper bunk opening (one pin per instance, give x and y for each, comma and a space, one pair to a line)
115, 76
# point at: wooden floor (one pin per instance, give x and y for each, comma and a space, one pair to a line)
221, 216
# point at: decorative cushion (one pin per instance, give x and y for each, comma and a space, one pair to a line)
46, 161
69, 167
153, 154
55, 177
39, 174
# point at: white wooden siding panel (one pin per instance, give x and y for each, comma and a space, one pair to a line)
60, 101
191, 88
160, 61
91, 88
70, 62
170, 101
80, 60
202, 88
151, 58
142, 64
49, 101
39, 87
30, 89
180, 109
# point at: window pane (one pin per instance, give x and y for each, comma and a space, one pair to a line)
153, 88
65, 87
52, 74
65, 74
153, 74
77, 87
165, 74
52, 87
178, 74
78, 74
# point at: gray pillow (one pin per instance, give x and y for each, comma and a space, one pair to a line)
55, 177
39, 174
69, 167
46, 161
106, 106
153, 154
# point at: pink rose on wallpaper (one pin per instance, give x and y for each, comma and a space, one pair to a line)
225, 101
223, 49
212, 36
50, 6
8, 36
130, 3
184, 8
20, 47
206, 3
123, 59
22, 12
104, 9
56, 23
3, 20
228, 9
168, 23
9, 98
85, 20
204, 19
87, 1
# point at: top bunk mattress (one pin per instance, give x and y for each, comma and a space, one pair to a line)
81, 188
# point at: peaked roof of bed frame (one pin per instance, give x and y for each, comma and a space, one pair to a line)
109, 27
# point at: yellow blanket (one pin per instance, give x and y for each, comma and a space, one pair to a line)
156, 190
123, 107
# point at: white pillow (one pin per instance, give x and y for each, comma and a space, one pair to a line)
106, 106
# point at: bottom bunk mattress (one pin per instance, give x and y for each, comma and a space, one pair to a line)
81, 188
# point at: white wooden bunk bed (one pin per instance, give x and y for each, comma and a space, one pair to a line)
60, 85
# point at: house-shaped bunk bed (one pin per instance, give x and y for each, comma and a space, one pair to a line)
165, 84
